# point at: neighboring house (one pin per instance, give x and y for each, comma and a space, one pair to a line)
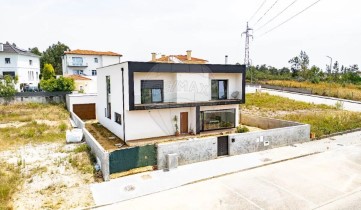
138, 100
178, 59
86, 62
83, 84
22, 63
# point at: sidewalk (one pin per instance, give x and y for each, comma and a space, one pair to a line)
137, 185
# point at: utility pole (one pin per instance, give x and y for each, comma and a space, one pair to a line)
247, 61
330, 64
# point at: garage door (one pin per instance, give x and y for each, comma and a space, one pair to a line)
84, 111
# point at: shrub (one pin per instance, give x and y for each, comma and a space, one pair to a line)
60, 84
48, 72
242, 129
7, 87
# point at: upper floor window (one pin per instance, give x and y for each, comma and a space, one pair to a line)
79, 72
77, 61
219, 89
30, 62
94, 72
107, 80
7, 60
96, 60
152, 91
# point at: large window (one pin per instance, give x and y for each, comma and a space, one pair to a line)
218, 119
77, 61
151, 91
219, 89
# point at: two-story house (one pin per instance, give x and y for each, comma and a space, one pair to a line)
85, 63
21, 63
138, 100
187, 58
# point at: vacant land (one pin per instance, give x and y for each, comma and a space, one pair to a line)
345, 91
323, 119
37, 169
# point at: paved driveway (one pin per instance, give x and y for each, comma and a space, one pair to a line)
329, 180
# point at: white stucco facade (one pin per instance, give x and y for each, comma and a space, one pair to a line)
187, 92
24, 65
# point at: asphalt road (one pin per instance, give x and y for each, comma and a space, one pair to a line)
329, 180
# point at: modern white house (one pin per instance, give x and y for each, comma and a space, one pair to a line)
85, 64
21, 63
138, 100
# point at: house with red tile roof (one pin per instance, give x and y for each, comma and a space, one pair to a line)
82, 65
187, 58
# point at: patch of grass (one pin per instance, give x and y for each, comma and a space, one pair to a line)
106, 138
10, 179
242, 129
345, 91
82, 148
265, 101
326, 123
63, 126
82, 159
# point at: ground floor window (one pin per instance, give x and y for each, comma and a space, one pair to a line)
218, 119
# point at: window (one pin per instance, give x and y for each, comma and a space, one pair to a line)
79, 72
77, 61
37, 75
7, 60
118, 118
94, 72
219, 89
151, 91
95, 60
30, 62
218, 119
109, 105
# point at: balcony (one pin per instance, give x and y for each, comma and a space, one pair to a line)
77, 64
167, 105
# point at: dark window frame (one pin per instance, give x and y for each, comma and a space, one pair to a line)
95, 72
96, 60
218, 82
159, 86
118, 118
219, 110
7, 60
108, 89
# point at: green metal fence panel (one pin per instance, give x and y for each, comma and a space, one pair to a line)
130, 158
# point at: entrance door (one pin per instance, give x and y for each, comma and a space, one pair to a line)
184, 122
222, 145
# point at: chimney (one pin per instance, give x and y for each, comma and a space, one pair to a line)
189, 55
154, 57
1, 47
226, 59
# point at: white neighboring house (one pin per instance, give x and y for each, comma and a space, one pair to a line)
138, 100
86, 63
22, 63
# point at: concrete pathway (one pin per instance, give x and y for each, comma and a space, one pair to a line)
142, 184
347, 104
330, 180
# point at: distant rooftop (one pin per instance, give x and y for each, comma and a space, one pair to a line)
12, 48
178, 59
92, 52
77, 77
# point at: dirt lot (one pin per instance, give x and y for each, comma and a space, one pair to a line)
38, 170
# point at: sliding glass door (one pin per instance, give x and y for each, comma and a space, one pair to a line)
218, 119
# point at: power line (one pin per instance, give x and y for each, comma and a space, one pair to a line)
290, 18
266, 12
277, 15
259, 8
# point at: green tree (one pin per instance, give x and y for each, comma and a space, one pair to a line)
53, 55
60, 84
47, 72
35, 51
7, 86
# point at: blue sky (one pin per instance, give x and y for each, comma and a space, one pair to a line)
211, 28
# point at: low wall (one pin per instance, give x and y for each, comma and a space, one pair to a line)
72, 99
265, 123
78, 122
36, 97
255, 141
189, 151
101, 154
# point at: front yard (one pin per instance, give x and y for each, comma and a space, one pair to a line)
323, 119
37, 169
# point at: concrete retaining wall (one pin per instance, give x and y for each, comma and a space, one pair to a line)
78, 122
101, 154
255, 141
265, 123
189, 151
36, 97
